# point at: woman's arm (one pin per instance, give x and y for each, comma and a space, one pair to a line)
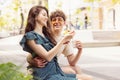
48, 55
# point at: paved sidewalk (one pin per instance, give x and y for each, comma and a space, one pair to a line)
101, 62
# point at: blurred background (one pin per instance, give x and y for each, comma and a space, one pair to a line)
97, 26
81, 14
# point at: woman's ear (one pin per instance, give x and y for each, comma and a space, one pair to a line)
36, 19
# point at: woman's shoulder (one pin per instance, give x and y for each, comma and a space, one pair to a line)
31, 35
27, 36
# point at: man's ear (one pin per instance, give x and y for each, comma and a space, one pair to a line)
65, 23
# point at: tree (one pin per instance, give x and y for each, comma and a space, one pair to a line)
116, 1
92, 0
22, 20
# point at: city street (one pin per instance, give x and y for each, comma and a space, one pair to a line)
103, 63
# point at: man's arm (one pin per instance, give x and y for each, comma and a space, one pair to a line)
73, 58
37, 61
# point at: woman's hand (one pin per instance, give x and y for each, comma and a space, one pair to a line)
66, 39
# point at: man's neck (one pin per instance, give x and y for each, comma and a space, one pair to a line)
57, 33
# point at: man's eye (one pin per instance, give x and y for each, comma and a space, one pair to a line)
59, 19
53, 19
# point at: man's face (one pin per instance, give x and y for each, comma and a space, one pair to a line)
57, 23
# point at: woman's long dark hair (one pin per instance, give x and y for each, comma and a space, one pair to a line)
31, 23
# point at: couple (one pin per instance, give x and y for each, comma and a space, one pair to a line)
44, 41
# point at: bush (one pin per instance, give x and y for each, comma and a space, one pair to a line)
9, 71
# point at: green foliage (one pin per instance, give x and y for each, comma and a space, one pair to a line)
2, 21
89, 8
16, 5
78, 11
9, 71
46, 3
92, 0
116, 1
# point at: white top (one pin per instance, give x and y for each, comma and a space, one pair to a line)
66, 49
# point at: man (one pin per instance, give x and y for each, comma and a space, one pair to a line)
58, 20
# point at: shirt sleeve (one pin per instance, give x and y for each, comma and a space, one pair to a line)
27, 36
68, 50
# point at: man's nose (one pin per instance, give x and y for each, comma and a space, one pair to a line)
56, 20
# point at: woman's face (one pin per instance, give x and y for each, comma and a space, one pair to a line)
42, 18
57, 23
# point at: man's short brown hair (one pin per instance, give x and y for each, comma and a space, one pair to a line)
58, 13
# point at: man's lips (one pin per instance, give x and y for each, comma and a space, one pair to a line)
56, 24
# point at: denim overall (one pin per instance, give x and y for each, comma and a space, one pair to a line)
52, 70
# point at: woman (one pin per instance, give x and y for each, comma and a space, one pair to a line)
38, 40
58, 20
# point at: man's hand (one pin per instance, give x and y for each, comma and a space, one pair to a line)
39, 62
78, 44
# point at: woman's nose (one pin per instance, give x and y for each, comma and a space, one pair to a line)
46, 18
